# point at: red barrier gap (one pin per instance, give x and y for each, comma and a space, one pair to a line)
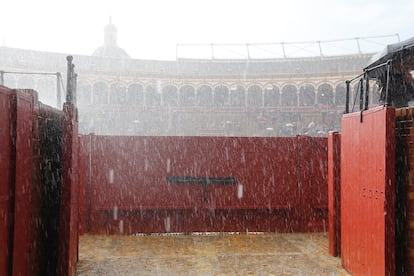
130, 192
368, 192
334, 192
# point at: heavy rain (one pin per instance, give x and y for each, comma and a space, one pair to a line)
206, 137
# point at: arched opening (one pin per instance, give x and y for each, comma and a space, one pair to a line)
221, 96
289, 95
204, 96
117, 93
271, 96
325, 94
187, 96
100, 93
307, 95
135, 94
152, 97
170, 95
237, 96
254, 96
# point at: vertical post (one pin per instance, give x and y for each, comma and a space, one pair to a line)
320, 49
69, 81
387, 100
366, 91
69, 193
347, 83
58, 91
361, 94
283, 49
1, 77
74, 87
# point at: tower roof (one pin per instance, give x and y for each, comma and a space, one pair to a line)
110, 47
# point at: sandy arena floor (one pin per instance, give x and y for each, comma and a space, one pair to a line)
207, 254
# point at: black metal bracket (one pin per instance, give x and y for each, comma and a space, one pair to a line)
205, 181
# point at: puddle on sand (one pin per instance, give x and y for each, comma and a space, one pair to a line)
209, 254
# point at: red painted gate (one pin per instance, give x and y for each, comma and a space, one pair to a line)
368, 192
191, 184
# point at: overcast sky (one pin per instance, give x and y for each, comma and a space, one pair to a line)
151, 29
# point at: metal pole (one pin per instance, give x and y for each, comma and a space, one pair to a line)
283, 48
366, 92
248, 51
387, 101
361, 94
1, 77
69, 91
58, 91
75, 86
320, 48
347, 83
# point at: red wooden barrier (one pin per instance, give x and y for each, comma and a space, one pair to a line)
368, 192
23, 222
130, 192
69, 219
334, 193
84, 188
7, 178
23, 183
313, 162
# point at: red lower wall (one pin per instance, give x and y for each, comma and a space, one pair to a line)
281, 184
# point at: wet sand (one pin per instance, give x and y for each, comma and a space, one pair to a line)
207, 254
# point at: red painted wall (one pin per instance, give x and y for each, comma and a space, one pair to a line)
69, 196
6, 180
368, 191
23, 183
23, 220
130, 193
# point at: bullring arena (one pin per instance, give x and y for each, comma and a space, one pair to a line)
200, 166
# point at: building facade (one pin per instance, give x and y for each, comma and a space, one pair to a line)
117, 95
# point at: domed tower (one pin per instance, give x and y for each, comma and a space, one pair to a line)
110, 47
